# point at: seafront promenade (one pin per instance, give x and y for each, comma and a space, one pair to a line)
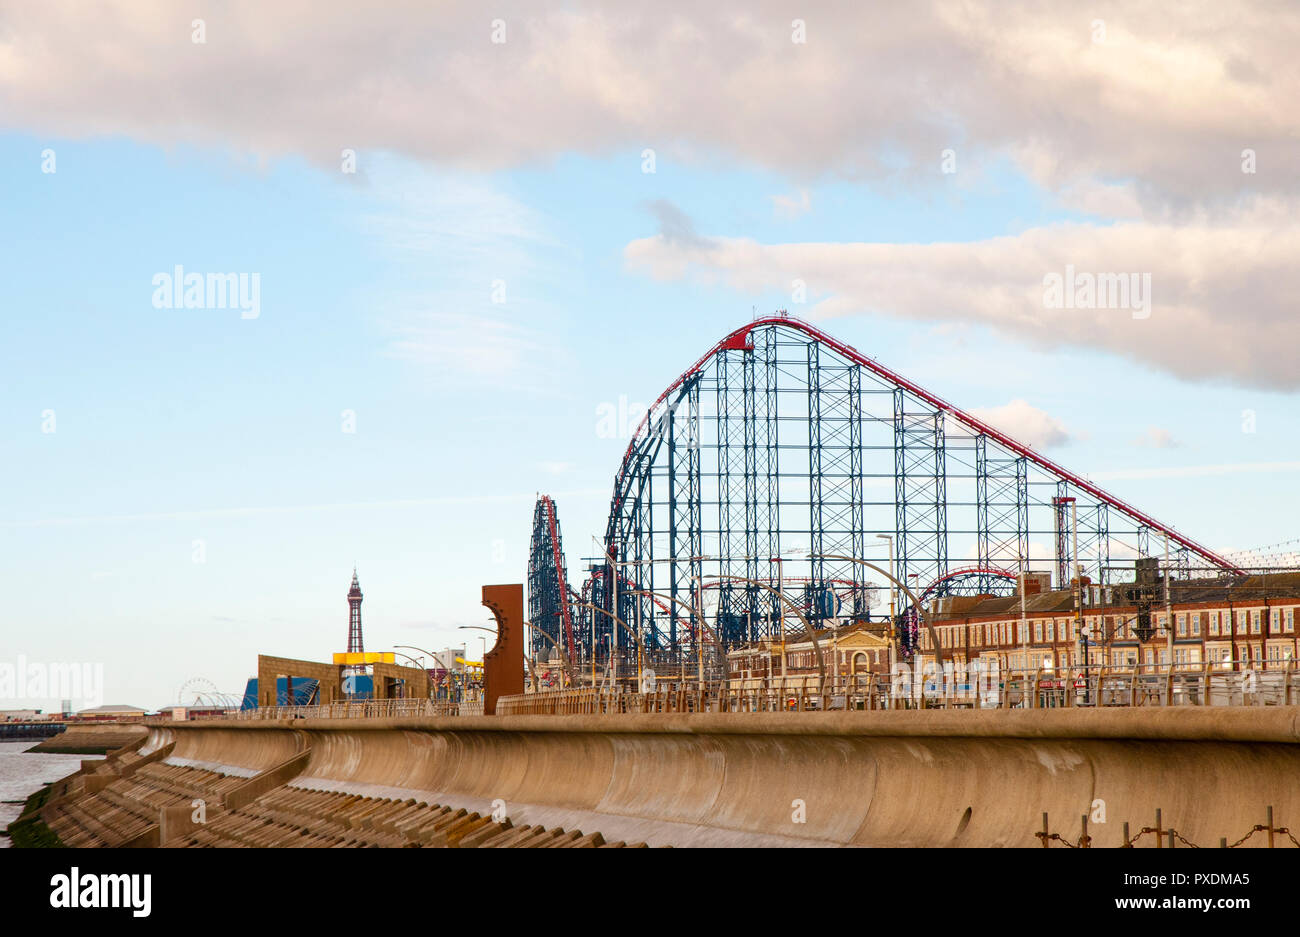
855, 778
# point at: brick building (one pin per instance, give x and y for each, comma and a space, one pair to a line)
1234, 624
1243, 623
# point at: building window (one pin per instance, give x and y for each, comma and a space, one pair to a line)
1196, 623
1038, 632
1254, 622
1182, 624
1290, 620
1051, 631
1214, 624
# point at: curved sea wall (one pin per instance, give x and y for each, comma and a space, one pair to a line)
92, 738
929, 778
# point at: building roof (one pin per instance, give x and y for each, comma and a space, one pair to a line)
1225, 589
110, 709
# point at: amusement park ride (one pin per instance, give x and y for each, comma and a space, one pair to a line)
780, 456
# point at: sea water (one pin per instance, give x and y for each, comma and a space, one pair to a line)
22, 773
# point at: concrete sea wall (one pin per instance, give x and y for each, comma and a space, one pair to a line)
92, 738
930, 778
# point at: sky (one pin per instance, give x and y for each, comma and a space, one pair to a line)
471, 234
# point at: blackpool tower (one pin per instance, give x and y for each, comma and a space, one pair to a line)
355, 645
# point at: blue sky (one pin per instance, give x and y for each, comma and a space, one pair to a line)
182, 425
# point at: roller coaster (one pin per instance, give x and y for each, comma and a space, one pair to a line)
782, 449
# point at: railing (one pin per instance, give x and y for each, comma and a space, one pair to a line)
1179, 685
973, 688
354, 709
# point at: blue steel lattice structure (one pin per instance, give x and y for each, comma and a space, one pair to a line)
549, 609
783, 447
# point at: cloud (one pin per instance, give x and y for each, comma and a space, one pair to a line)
1214, 287
675, 226
1155, 437
789, 207
469, 259
1026, 424
1170, 97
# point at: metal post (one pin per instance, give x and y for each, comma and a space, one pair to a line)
893, 640
1169, 608
1024, 632
613, 628
699, 635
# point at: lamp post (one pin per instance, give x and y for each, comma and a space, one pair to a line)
780, 585
920, 609
893, 594
432, 656
419, 665
783, 600
564, 657
615, 565
619, 624
483, 659
922, 614
613, 642
696, 611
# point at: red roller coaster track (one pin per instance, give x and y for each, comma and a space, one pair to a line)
559, 570
739, 340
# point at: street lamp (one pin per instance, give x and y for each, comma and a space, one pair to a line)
419, 665
783, 600
432, 656
615, 565
893, 593
483, 659
620, 624
566, 663
696, 611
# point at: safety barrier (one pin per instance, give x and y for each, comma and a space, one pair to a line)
348, 709
973, 688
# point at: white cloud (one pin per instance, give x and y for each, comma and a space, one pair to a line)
1215, 288
469, 259
1171, 97
1026, 424
1156, 437
791, 206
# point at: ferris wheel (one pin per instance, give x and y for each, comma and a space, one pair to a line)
202, 693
